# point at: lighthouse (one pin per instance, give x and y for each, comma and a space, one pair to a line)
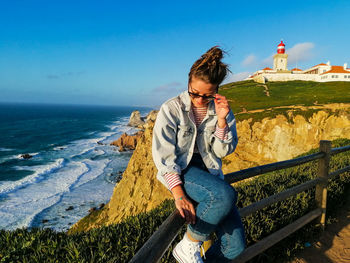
280, 59
281, 48
321, 72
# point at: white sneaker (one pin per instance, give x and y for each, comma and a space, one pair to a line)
187, 251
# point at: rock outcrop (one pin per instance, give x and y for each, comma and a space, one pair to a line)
267, 141
127, 142
136, 119
152, 116
277, 139
26, 156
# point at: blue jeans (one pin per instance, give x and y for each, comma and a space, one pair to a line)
216, 212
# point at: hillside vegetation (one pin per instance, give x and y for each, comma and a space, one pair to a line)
279, 97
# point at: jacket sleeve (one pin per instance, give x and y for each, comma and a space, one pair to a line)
164, 141
222, 147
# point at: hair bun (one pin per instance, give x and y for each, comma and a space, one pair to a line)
214, 54
209, 66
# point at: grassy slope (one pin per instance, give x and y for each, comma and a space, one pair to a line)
251, 96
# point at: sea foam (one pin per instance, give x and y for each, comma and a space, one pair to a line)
28, 202
39, 172
5, 149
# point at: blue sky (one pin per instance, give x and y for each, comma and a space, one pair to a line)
139, 52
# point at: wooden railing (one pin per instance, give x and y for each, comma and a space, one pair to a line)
159, 242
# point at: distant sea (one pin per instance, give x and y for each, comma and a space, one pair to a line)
72, 169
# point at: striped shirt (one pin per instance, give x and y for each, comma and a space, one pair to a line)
173, 179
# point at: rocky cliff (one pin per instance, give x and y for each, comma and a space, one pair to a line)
269, 140
127, 142
136, 119
278, 139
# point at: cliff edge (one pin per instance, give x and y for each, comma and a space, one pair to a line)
267, 141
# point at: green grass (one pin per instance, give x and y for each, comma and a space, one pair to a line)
251, 96
119, 242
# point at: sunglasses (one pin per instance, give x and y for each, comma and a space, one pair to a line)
204, 97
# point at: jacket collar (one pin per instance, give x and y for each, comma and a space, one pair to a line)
185, 101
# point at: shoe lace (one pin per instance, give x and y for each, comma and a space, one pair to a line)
203, 252
197, 247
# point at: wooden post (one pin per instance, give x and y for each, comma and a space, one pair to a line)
323, 171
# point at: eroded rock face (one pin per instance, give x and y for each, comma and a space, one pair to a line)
262, 142
273, 140
135, 119
127, 142
152, 116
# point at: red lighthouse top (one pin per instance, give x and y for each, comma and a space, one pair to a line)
281, 48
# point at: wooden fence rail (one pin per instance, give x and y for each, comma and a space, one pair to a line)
159, 242
258, 170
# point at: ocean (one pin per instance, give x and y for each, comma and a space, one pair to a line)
73, 166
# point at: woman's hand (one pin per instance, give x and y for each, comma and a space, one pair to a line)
184, 205
222, 108
186, 209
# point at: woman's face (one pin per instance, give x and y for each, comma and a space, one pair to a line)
199, 87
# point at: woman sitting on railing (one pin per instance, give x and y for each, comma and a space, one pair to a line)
193, 131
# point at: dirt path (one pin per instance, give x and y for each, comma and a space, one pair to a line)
333, 245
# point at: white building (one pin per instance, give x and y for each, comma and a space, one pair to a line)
320, 73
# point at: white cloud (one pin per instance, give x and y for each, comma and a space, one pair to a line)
267, 62
300, 52
236, 77
249, 60
168, 88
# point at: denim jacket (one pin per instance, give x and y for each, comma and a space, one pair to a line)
175, 135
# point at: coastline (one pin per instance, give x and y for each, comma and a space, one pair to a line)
62, 192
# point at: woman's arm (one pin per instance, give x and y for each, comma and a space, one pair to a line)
163, 152
164, 141
224, 140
